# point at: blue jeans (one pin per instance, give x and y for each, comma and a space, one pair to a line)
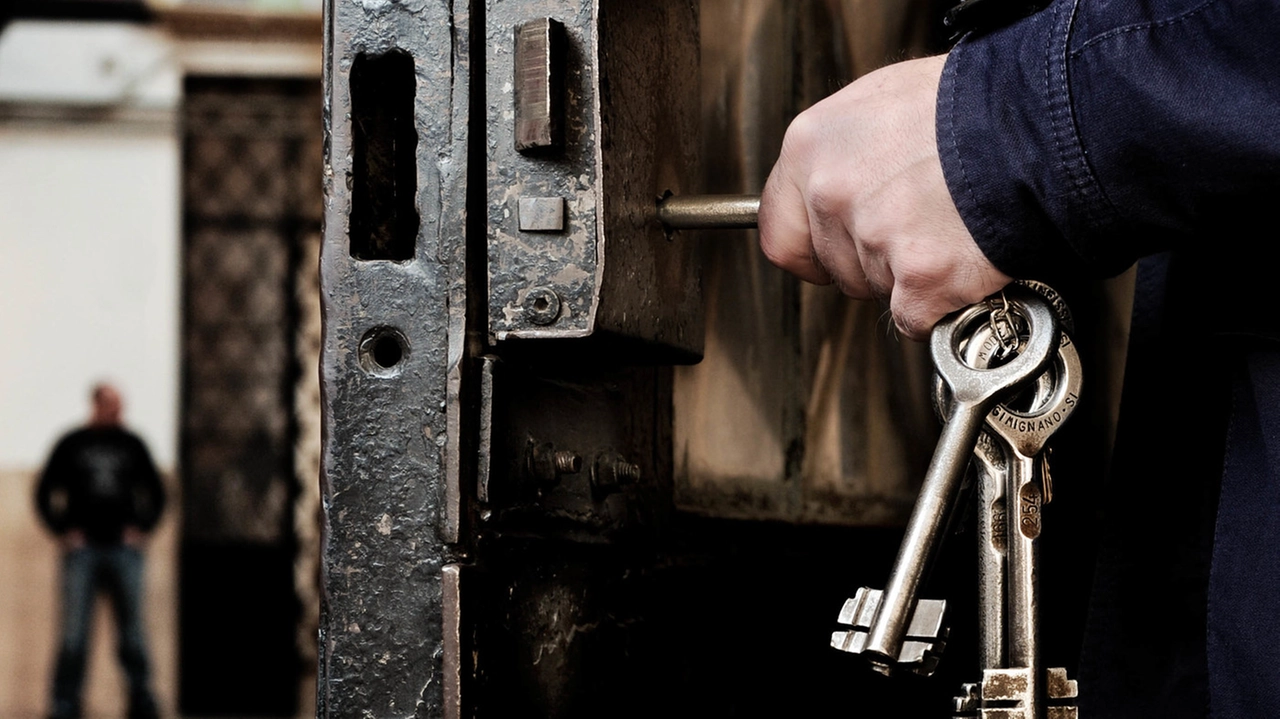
117, 569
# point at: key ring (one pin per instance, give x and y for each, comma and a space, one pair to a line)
1003, 327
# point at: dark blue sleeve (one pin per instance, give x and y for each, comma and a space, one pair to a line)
1098, 131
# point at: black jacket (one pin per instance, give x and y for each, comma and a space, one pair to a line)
100, 480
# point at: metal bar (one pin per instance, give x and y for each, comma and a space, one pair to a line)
709, 212
393, 343
452, 640
992, 542
1021, 591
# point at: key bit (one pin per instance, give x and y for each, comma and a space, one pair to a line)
921, 647
1059, 686
1004, 694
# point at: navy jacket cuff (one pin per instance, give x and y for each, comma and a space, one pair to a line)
1010, 153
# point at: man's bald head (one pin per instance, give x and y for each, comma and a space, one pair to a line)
108, 406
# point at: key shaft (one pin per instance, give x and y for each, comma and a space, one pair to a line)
709, 212
924, 531
993, 533
1022, 580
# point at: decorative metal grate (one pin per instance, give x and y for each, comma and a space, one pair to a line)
250, 439
252, 199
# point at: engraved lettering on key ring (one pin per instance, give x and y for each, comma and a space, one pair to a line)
1032, 427
1055, 300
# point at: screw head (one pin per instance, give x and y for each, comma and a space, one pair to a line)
542, 306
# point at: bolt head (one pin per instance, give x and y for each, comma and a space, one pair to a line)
542, 306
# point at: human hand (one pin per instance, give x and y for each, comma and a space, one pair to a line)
858, 198
133, 537
71, 540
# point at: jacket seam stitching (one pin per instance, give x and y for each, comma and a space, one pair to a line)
986, 225
1140, 27
1095, 205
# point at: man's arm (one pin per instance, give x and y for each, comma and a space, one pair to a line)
1077, 139
149, 496
53, 481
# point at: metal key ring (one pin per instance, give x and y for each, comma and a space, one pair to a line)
1042, 390
1056, 392
977, 385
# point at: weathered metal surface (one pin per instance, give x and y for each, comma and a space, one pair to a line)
391, 458
451, 591
542, 214
580, 452
628, 80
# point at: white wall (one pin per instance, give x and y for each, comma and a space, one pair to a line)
88, 282
89, 249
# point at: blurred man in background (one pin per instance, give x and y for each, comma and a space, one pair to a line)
100, 494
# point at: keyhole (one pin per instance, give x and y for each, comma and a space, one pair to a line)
386, 352
382, 349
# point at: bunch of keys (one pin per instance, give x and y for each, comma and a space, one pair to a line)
1008, 377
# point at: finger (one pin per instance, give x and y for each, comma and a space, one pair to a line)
833, 244
876, 269
784, 228
929, 291
913, 318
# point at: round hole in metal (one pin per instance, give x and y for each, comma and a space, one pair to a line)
382, 350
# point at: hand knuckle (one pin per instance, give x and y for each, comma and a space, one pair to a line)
801, 133
921, 273
827, 194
